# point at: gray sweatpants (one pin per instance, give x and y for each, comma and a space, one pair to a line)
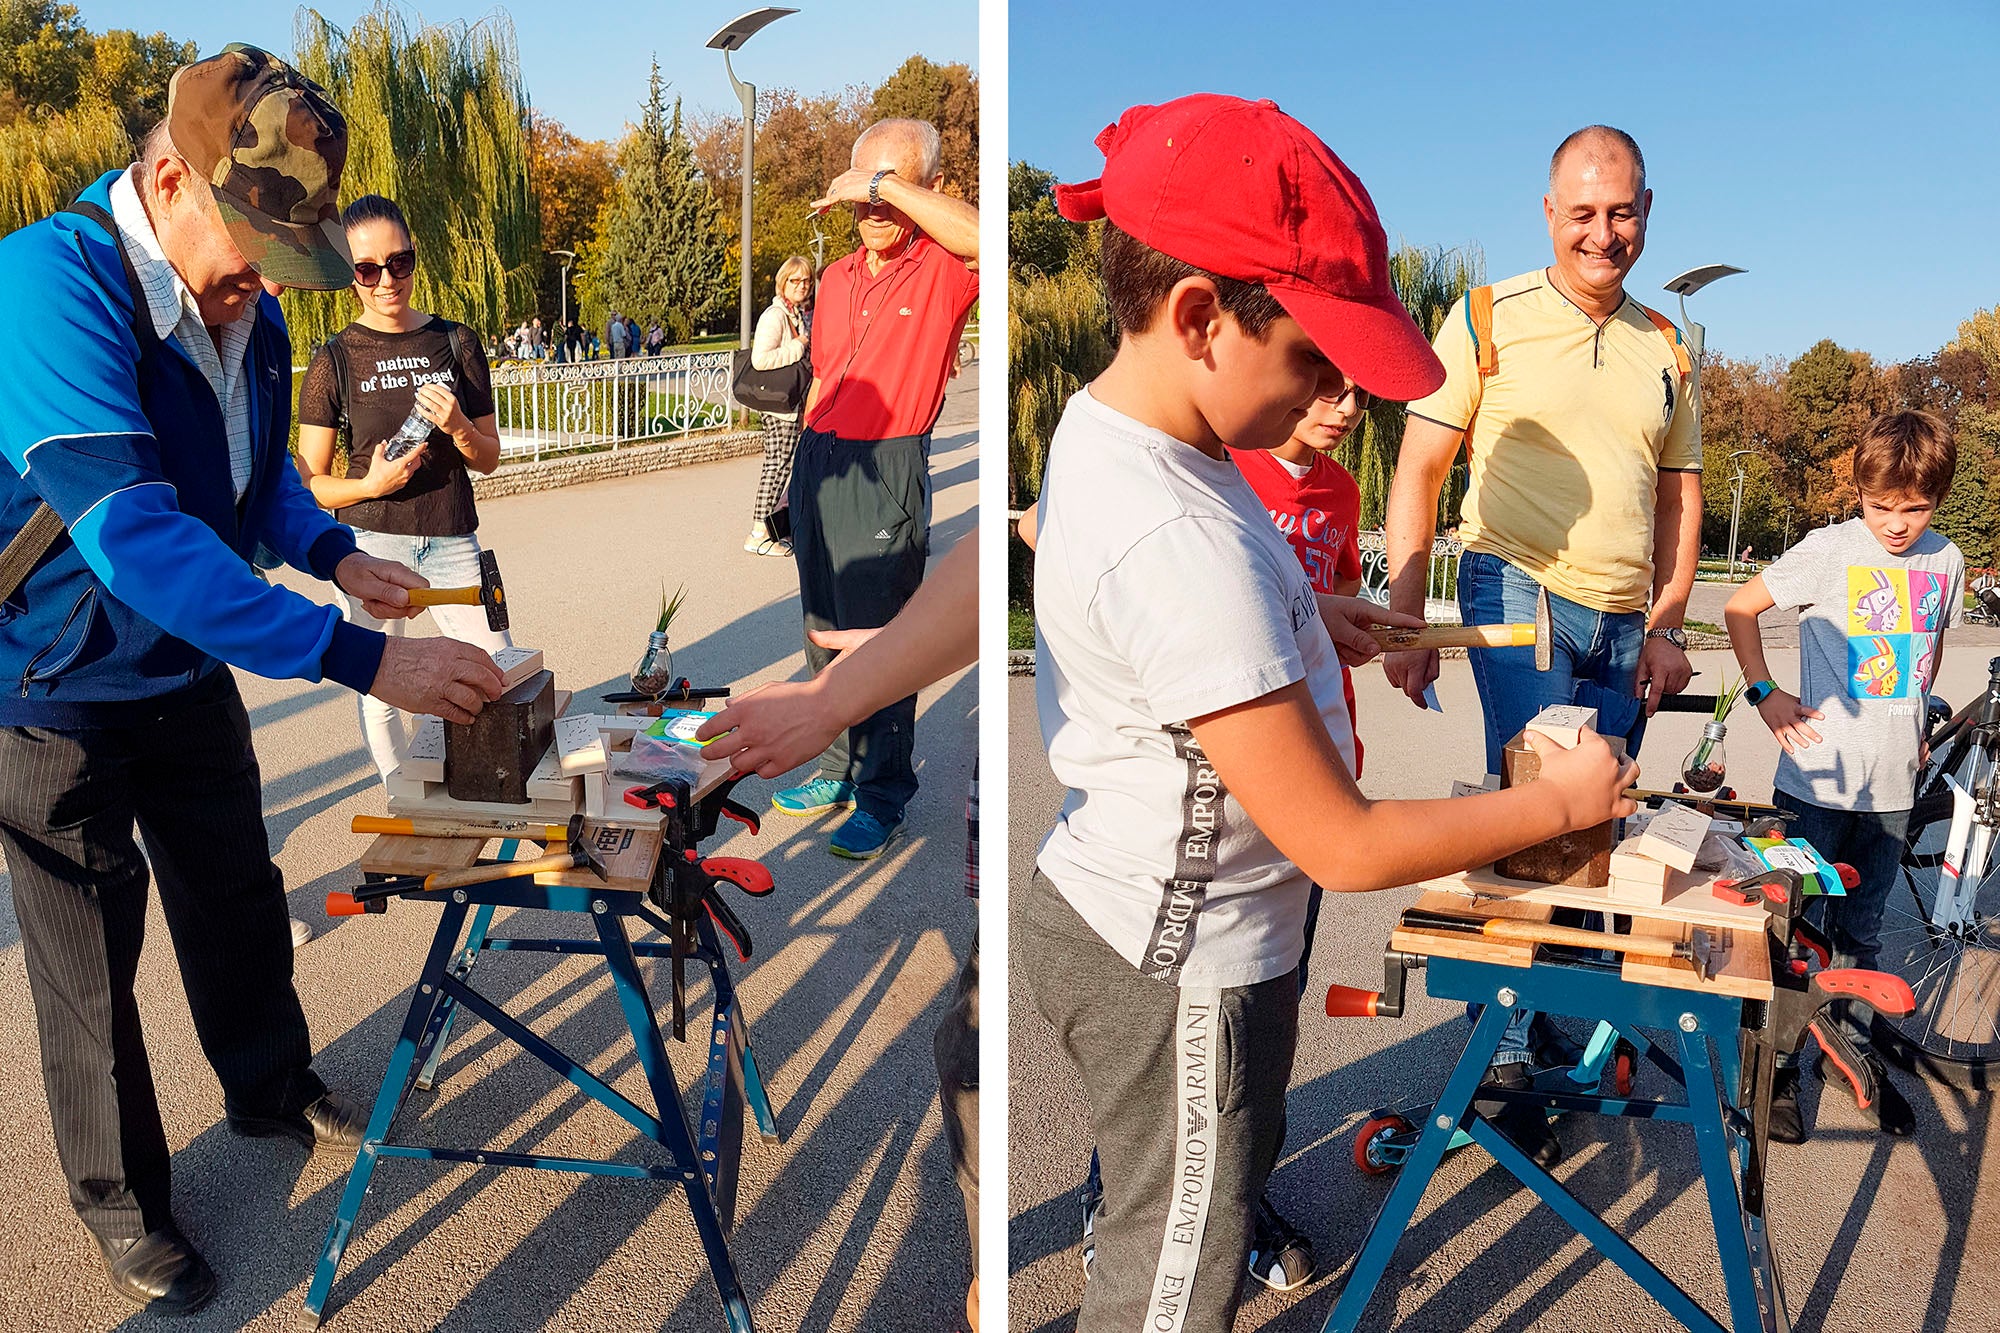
1187, 1100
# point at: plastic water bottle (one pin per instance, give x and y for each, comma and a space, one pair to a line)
410, 435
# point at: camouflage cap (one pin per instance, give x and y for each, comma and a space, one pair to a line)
271, 146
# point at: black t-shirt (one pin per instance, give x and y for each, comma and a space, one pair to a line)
384, 372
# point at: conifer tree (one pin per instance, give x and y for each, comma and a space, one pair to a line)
660, 252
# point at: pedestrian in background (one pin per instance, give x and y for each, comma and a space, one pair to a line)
780, 341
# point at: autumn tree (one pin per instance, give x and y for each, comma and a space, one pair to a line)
1981, 334
946, 96
573, 177
1038, 237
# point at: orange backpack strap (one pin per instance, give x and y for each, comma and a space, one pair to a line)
1479, 319
1672, 333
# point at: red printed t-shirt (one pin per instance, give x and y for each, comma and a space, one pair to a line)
882, 345
1320, 515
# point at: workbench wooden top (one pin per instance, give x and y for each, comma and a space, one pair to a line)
629, 848
1745, 973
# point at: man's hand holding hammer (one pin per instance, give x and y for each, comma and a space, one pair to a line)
441, 676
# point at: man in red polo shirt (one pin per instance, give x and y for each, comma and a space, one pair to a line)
887, 328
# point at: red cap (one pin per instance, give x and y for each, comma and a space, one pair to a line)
1242, 190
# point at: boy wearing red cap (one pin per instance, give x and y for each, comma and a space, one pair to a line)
1190, 692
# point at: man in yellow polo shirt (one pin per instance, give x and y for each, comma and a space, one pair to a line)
1580, 413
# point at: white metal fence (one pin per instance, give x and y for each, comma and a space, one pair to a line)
1441, 583
546, 407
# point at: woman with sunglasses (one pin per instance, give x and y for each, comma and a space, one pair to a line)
780, 341
360, 387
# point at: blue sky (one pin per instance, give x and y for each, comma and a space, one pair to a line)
1848, 156
585, 63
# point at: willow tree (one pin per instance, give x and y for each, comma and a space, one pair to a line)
1428, 280
437, 120
46, 161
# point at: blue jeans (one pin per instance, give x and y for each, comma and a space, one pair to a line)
1872, 842
1594, 661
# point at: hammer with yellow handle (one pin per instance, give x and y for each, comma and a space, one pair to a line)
1395, 640
451, 828
488, 594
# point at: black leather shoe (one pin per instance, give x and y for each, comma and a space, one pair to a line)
331, 1124
1527, 1126
160, 1271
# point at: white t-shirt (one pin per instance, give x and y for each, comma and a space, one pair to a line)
1164, 592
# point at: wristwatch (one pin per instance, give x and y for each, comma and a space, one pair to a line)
1760, 691
875, 188
1673, 634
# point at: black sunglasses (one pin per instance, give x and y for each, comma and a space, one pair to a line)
401, 265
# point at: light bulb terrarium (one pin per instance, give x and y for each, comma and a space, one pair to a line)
1707, 765
654, 675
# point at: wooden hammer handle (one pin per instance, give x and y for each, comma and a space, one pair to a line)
445, 596
451, 828
1453, 636
456, 879
1536, 932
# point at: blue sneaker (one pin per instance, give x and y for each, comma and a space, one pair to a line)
863, 837
815, 797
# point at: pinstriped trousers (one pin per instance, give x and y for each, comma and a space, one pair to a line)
186, 776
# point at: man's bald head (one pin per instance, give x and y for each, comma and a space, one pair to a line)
1600, 145
912, 147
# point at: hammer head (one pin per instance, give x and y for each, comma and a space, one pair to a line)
583, 855
494, 598
1544, 648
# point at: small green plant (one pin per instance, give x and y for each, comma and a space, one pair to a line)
1727, 699
669, 608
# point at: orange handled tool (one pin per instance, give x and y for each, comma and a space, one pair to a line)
451, 828
577, 854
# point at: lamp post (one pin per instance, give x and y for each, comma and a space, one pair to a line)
568, 257
1736, 508
1685, 285
731, 38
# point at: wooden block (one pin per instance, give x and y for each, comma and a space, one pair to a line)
580, 745
397, 854
547, 782
439, 803
423, 759
593, 796
398, 784
517, 664
489, 758
1468, 789
1674, 835
1630, 863
1564, 723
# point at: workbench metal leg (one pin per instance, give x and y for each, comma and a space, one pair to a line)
1718, 1173
1453, 1109
1594, 1229
675, 1134
424, 999
743, 1060
475, 940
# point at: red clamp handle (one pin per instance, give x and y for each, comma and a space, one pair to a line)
742, 814
747, 875
655, 797
1351, 1002
1850, 878
1881, 992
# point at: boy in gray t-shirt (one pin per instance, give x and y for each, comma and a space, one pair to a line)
1875, 595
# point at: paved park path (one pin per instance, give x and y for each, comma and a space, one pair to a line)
853, 1224
1887, 1236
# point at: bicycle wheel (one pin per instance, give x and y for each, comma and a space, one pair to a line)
1949, 951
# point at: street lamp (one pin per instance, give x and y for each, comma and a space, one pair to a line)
568, 257
731, 38
1684, 286
1736, 508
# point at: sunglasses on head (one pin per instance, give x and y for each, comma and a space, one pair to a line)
401, 265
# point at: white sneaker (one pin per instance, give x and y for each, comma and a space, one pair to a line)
301, 932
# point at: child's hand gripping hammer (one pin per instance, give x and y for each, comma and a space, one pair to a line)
1534, 636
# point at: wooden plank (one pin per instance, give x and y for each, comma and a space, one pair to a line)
1695, 901
1564, 723
516, 665
1472, 948
1674, 836
580, 745
423, 759
438, 803
547, 782
629, 854
396, 854
1745, 973
593, 796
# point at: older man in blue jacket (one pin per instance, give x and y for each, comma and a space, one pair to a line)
146, 403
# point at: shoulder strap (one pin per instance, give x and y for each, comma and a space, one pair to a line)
43, 528
337, 353
1479, 319
1671, 332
